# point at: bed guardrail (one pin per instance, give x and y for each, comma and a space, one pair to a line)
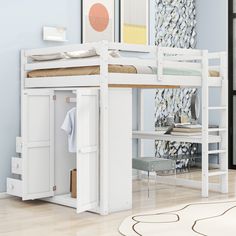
60, 49
102, 48
161, 58
218, 61
177, 58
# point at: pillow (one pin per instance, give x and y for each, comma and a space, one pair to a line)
114, 54
47, 57
90, 53
82, 53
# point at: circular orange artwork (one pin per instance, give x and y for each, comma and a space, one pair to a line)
99, 17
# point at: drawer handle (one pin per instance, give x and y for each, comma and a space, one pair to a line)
12, 186
17, 166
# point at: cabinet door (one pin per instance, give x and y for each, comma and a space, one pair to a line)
87, 149
37, 144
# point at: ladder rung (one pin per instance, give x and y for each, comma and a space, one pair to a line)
217, 173
217, 151
218, 108
217, 130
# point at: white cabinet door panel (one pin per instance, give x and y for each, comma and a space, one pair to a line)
38, 144
87, 149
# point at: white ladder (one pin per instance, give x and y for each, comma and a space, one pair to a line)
222, 172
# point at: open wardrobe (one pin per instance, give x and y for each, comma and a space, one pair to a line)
60, 133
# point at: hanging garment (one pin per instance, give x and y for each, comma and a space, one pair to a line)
69, 126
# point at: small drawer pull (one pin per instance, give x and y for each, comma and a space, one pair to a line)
16, 165
14, 187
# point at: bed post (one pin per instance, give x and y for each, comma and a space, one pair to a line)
23, 61
205, 122
104, 140
140, 112
159, 55
223, 157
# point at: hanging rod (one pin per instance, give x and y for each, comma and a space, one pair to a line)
70, 100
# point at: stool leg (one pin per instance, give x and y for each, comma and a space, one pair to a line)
156, 178
175, 173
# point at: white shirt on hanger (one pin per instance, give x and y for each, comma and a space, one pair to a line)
69, 126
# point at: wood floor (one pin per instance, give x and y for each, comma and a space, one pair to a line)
38, 218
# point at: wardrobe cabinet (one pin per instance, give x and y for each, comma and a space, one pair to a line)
42, 170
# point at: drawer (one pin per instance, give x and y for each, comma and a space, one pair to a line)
16, 165
14, 187
18, 145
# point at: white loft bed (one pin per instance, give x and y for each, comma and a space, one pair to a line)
162, 59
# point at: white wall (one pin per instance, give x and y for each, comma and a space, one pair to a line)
212, 26
212, 34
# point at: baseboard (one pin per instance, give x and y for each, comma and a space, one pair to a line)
4, 195
211, 165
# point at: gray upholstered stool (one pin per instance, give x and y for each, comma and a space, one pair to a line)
152, 164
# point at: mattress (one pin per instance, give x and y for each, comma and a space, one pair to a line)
95, 70
77, 71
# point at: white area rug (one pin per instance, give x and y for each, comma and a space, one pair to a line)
207, 219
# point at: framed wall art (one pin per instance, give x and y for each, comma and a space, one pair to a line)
98, 20
134, 21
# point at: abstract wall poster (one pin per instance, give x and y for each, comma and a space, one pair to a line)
134, 21
98, 20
